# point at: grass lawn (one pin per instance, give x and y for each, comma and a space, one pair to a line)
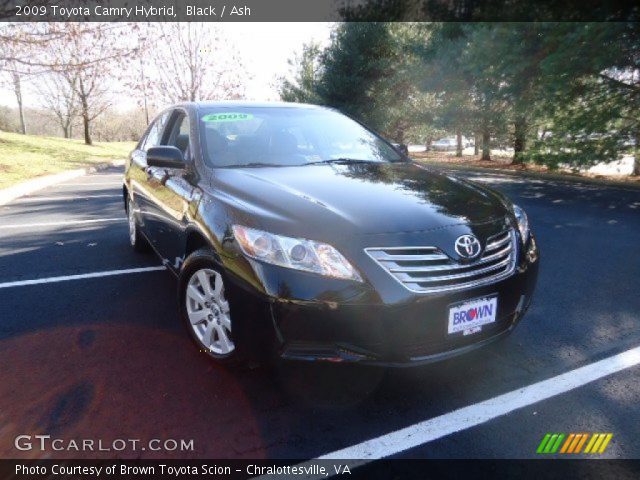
27, 156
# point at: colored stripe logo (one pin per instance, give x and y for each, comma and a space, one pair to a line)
593, 443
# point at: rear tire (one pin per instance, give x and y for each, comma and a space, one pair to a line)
136, 239
205, 309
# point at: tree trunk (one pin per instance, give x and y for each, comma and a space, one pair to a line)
146, 110
476, 141
458, 143
65, 131
144, 93
85, 124
486, 147
17, 88
519, 141
85, 115
636, 155
399, 136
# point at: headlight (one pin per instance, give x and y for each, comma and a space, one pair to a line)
523, 222
297, 253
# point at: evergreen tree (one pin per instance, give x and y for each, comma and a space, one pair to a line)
305, 68
461, 75
591, 76
369, 71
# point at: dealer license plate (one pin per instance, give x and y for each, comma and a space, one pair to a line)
468, 317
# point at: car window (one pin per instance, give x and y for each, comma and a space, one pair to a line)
154, 137
179, 136
286, 136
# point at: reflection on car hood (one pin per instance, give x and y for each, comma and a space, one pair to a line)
358, 198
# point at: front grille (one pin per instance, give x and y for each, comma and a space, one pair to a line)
429, 270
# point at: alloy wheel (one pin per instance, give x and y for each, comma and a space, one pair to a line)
208, 311
132, 225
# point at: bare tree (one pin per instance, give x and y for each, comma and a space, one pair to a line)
15, 79
27, 43
88, 57
136, 76
85, 55
190, 62
14, 71
57, 92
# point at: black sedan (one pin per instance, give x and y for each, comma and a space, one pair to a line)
295, 229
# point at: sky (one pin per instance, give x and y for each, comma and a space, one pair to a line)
265, 49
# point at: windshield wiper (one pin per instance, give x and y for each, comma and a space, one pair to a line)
340, 160
257, 164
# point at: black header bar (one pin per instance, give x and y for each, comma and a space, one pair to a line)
316, 10
547, 468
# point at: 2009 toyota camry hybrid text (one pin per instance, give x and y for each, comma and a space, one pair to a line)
295, 228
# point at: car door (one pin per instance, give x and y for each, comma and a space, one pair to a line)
140, 174
174, 192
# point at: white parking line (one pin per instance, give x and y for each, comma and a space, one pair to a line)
65, 278
89, 184
62, 197
479, 413
65, 222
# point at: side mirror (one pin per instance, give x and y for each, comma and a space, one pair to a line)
165, 157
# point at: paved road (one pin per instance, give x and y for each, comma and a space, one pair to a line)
106, 357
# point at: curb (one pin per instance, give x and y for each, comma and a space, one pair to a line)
25, 188
537, 175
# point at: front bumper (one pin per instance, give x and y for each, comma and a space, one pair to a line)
415, 333
348, 353
358, 326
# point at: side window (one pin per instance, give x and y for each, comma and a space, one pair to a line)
154, 137
180, 134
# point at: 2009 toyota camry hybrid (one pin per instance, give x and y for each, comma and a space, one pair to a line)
296, 229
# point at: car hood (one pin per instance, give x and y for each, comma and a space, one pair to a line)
363, 198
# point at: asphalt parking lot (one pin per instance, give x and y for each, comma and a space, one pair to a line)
104, 357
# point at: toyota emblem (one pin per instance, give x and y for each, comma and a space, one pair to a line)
468, 246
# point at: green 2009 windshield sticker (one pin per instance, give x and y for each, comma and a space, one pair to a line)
227, 117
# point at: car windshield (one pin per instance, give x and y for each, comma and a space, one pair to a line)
287, 136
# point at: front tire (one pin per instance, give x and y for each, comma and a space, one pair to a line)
205, 309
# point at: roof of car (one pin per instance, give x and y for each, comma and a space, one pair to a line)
249, 104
